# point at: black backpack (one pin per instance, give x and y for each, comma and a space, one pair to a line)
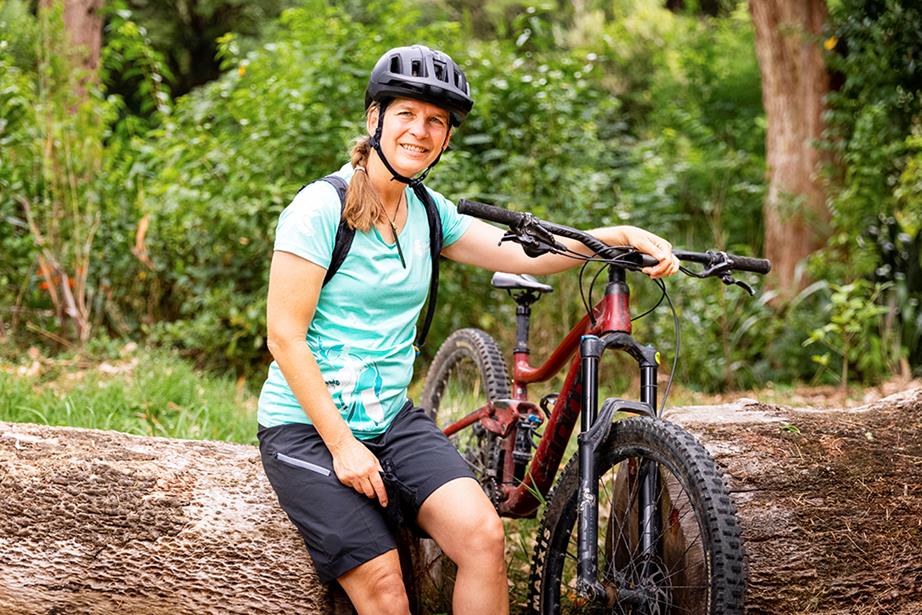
345, 234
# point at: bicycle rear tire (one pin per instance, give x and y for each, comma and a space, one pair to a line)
699, 566
468, 370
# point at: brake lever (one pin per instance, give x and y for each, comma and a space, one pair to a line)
534, 239
728, 279
719, 268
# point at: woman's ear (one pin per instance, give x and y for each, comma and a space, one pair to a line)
371, 119
451, 131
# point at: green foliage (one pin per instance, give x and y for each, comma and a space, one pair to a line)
874, 121
129, 58
587, 113
52, 123
696, 171
874, 48
185, 35
852, 336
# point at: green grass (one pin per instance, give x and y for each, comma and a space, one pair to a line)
150, 394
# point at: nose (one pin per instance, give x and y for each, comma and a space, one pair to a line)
419, 126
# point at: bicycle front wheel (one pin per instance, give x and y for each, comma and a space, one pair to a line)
696, 564
468, 370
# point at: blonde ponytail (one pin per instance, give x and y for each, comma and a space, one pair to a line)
363, 207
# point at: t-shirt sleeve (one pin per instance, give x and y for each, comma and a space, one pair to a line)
453, 224
307, 227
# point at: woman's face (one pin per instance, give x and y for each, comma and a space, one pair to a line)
414, 134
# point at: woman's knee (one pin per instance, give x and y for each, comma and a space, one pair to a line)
484, 540
389, 586
376, 587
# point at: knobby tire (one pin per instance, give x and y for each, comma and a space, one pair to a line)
699, 563
466, 372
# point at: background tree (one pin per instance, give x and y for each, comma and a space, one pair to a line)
187, 31
794, 85
83, 24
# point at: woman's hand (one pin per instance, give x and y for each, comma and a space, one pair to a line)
655, 246
355, 466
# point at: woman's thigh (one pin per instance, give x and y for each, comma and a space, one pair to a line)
462, 520
341, 528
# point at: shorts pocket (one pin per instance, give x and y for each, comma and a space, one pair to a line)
299, 463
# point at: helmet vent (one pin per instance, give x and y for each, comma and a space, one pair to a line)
439, 71
395, 64
416, 69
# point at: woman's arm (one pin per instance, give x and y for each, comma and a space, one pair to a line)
294, 287
479, 245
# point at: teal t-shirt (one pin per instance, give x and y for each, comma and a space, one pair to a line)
364, 327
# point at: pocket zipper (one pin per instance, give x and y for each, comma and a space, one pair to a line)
307, 465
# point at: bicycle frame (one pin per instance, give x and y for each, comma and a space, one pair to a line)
612, 327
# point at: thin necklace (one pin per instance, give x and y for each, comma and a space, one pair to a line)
393, 224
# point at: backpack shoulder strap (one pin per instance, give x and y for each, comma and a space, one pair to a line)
435, 249
344, 233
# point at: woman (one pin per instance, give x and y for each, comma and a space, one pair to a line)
333, 412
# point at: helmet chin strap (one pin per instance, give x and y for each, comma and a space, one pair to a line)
413, 182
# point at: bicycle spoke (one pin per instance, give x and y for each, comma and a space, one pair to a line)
620, 550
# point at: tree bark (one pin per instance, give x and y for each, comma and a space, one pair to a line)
83, 24
794, 85
99, 522
830, 502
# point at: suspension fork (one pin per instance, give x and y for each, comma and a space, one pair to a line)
594, 428
587, 583
648, 497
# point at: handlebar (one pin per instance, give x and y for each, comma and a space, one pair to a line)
720, 262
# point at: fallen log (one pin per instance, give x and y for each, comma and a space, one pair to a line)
830, 502
102, 522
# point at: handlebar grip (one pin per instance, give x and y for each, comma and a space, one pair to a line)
489, 212
746, 263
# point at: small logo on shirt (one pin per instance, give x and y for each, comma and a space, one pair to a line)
307, 221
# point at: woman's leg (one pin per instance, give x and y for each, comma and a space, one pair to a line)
463, 522
377, 586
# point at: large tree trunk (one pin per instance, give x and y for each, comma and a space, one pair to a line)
794, 84
99, 522
83, 24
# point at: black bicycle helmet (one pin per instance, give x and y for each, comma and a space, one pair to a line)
421, 73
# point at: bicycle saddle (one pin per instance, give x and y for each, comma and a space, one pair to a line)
512, 281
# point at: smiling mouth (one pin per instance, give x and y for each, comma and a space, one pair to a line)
414, 149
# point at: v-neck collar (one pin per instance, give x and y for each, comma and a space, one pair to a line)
403, 231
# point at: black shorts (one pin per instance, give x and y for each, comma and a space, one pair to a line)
341, 527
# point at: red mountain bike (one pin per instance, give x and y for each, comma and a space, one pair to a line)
640, 521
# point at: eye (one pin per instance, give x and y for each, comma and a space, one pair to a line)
437, 121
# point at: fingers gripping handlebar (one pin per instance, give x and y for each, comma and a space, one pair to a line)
717, 264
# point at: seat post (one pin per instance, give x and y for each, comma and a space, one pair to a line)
524, 290
522, 325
